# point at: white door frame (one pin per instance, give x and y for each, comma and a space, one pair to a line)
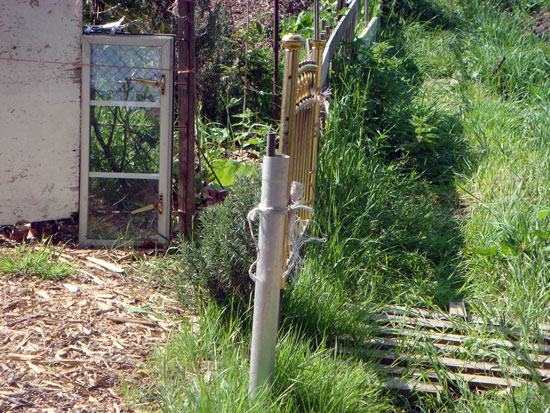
164, 176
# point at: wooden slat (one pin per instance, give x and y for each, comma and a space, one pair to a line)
419, 312
448, 338
457, 365
410, 386
415, 321
473, 380
542, 361
336, 38
471, 367
457, 309
405, 328
442, 324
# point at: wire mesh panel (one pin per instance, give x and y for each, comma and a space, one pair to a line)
127, 128
116, 71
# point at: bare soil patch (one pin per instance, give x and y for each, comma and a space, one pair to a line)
68, 345
541, 22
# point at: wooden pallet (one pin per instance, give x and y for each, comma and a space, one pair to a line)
423, 351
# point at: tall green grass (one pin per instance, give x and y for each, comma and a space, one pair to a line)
205, 369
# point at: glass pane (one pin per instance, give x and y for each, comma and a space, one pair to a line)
124, 139
111, 202
119, 83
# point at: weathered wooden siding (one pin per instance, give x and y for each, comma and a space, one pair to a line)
39, 109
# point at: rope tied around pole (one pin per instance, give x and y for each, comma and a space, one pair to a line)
296, 237
252, 217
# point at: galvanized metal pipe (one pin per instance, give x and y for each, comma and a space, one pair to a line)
273, 207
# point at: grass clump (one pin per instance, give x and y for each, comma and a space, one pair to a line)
42, 262
205, 368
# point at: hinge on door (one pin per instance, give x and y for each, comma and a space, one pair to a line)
161, 83
150, 207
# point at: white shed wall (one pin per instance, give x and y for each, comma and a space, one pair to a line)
39, 109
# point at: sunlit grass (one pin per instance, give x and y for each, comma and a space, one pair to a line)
432, 186
42, 262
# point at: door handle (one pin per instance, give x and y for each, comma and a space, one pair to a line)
161, 83
149, 207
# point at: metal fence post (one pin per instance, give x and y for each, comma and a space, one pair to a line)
186, 116
292, 44
272, 210
318, 48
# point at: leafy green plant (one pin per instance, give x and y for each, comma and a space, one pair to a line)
42, 262
216, 262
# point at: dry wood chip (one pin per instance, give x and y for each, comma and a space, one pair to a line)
93, 277
72, 288
43, 294
35, 368
23, 291
58, 351
14, 304
122, 320
102, 263
19, 357
104, 296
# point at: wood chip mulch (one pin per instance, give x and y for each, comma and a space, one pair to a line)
68, 345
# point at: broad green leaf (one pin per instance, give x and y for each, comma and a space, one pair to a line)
226, 169
542, 234
484, 251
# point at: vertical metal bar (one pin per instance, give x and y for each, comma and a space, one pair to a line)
276, 97
192, 110
186, 116
271, 137
318, 49
273, 207
299, 153
317, 33
246, 39
292, 44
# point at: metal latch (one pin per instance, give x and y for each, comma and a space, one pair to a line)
161, 83
149, 207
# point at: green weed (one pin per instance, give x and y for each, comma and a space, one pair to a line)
42, 262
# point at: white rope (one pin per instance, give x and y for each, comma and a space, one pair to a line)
297, 236
250, 218
297, 227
